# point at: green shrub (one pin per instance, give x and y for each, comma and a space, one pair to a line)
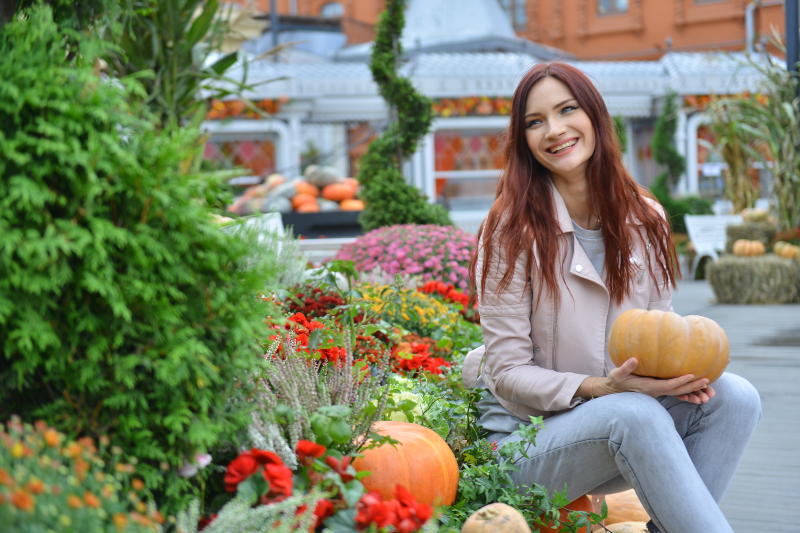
766, 279
124, 309
752, 231
678, 208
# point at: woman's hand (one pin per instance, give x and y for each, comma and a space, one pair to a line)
686, 388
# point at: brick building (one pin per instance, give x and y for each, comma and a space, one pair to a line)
589, 29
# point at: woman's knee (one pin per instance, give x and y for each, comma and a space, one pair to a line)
638, 412
738, 396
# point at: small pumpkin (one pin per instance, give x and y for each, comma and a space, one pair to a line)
584, 503
303, 198
753, 214
786, 250
748, 248
338, 192
669, 345
626, 527
625, 507
496, 518
304, 187
422, 462
352, 205
310, 207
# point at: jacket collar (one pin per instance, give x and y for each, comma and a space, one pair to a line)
562, 215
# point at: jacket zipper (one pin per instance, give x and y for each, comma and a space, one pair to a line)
555, 335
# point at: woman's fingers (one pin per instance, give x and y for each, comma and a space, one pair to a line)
698, 397
684, 385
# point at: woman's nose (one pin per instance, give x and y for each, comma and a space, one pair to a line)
555, 129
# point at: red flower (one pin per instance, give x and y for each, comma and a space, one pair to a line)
205, 522
323, 510
340, 467
264, 457
279, 478
370, 509
240, 469
306, 448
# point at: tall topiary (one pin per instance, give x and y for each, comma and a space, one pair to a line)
389, 199
664, 153
124, 310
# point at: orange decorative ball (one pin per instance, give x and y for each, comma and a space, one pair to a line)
422, 462
669, 345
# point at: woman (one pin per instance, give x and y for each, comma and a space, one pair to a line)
570, 243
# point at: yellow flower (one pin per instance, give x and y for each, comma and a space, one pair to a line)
17, 450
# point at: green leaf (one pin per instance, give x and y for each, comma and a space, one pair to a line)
202, 23
221, 65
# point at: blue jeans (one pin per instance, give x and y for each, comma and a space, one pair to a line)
678, 457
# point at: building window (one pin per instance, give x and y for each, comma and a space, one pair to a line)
332, 10
517, 11
612, 7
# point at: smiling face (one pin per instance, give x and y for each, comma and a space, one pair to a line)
559, 133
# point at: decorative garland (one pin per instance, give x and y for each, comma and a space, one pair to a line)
472, 105
219, 109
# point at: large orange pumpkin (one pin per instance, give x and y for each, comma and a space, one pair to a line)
422, 462
668, 345
338, 192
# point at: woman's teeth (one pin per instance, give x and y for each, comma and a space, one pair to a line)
563, 146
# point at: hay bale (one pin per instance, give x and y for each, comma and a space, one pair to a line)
751, 231
766, 279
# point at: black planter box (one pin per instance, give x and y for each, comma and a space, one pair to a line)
324, 224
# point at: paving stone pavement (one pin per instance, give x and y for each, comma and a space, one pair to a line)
765, 349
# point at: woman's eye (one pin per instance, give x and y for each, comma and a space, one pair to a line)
533, 122
569, 108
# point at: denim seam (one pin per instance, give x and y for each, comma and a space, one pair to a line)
570, 445
646, 502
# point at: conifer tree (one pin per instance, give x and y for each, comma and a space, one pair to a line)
389, 199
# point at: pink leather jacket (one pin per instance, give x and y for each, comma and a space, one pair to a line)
534, 359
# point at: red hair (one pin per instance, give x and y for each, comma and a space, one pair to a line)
523, 214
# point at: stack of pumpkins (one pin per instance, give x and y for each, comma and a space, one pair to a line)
319, 189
